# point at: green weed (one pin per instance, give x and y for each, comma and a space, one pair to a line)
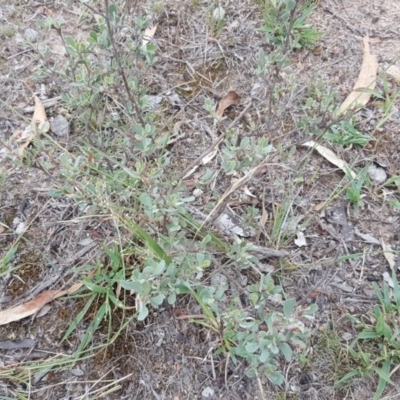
259, 339
376, 349
284, 20
353, 191
215, 19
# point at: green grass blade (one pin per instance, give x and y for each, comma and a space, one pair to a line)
79, 317
384, 378
92, 328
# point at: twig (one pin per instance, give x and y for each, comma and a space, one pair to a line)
216, 211
194, 165
226, 368
212, 364
260, 386
341, 19
275, 69
323, 278
121, 70
289, 28
47, 103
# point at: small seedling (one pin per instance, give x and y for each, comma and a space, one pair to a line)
216, 20
353, 192
259, 339
345, 133
285, 21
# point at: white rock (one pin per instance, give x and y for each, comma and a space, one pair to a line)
154, 101
60, 126
31, 35
219, 14
377, 174
77, 372
347, 336
21, 228
207, 393
219, 280
301, 240
197, 192
16, 221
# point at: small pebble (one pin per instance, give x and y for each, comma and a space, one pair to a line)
207, 393
60, 126
377, 174
154, 101
197, 192
31, 35
219, 280
219, 14
347, 336
21, 228
77, 372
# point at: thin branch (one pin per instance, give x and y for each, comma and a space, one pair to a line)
285, 47
121, 70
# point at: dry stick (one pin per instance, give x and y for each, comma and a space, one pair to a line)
323, 278
275, 69
260, 387
46, 104
218, 141
121, 70
290, 26
217, 210
345, 23
226, 368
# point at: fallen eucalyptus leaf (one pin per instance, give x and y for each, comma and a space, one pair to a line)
389, 255
228, 100
33, 306
365, 83
366, 237
148, 35
39, 120
388, 279
331, 157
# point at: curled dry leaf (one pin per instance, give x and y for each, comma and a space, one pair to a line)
229, 223
236, 185
148, 35
248, 193
365, 82
206, 159
388, 279
33, 306
300, 241
389, 255
39, 119
263, 220
394, 72
331, 157
366, 237
20, 140
228, 100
